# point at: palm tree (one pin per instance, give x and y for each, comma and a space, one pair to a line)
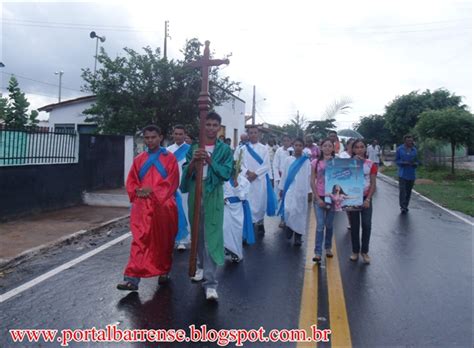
337, 107
320, 129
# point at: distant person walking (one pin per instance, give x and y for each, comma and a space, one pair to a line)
407, 161
373, 152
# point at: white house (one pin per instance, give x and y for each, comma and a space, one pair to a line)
233, 118
69, 115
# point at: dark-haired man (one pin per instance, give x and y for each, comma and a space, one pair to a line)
151, 186
280, 156
256, 166
217, 161
407, 161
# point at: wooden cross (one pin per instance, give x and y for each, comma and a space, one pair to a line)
204, 102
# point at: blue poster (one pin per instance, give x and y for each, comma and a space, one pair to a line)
344, 183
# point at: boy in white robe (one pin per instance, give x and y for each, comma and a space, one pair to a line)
234, 195
280, 155
295, 193
257, 173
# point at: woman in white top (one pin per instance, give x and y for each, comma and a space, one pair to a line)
348, 152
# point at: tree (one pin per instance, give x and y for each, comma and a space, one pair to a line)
373, 127
320, 129
401, 115
296, 127
14, 109
138, 89
451, 124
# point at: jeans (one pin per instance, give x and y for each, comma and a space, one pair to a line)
204, 259
355, 218
405, 186
325, 219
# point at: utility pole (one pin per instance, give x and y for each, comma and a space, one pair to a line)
60, 73
253, 106
166, 37
298, 123
93, 35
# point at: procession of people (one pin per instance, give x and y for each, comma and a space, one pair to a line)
241, 188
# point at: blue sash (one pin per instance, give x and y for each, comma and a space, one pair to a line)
292, 171
272, 201
154, 160
183, 232
182, 223
248, 233
181, 152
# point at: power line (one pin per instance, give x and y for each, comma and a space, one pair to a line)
36, 93
64, 25
76, 26
45, 83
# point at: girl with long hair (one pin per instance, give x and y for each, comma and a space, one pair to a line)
324, 213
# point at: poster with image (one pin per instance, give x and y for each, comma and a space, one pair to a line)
344, 183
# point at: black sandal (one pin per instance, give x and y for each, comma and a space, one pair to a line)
317, 259
127, 286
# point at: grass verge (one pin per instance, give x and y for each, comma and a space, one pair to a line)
454, 192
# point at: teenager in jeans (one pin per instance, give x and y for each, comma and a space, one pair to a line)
364, 215
324, 213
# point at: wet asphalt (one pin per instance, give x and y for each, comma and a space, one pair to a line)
416, 292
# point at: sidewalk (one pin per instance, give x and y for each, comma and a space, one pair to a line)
33, 233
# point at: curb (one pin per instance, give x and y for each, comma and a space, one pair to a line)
28, 254
393, 182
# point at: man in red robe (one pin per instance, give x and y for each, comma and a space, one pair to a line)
151, 185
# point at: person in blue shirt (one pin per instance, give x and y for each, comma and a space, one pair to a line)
407, 161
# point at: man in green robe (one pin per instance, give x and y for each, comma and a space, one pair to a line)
217, 168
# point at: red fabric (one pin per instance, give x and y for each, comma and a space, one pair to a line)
153, 220
370, 168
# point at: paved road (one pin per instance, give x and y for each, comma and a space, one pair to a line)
417, 291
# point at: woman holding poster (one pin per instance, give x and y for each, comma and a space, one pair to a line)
324, 213
364, 215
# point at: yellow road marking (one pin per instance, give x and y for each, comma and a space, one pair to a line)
340, 331
309, 298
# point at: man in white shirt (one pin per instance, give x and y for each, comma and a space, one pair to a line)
256, 173
272, 148
373, 152
280, 155
180, 149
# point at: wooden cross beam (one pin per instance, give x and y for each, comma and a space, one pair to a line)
204, 102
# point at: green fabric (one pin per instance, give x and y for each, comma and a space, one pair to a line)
213, 196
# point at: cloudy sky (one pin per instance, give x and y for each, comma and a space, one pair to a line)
301, 55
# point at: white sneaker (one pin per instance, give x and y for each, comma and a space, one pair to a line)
181, 246
211, 294
198, 276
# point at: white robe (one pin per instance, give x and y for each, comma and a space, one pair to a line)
184, 196
280, 155
258, 188
296, 199
234, 215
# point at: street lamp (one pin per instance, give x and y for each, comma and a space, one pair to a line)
93, 35
60, 73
